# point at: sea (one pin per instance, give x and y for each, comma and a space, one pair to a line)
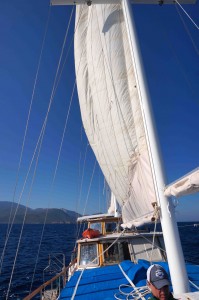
36, 260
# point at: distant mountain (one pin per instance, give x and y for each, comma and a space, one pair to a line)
35, 216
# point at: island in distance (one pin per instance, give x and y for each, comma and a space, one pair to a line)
35, 216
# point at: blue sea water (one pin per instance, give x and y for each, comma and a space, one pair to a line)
57, 239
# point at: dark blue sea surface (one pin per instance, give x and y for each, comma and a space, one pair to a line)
57, 239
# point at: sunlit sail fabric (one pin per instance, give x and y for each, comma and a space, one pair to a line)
114, 207
188, 184
110, 108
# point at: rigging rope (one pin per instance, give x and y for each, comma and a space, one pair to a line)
194, 285
10, 224
39, 143
23, 223
187, 15
23, 188
136, 292
61, 144
153, 242
187, 30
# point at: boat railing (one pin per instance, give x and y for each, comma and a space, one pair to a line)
41, 289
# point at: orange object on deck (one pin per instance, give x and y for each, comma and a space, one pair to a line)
91, 233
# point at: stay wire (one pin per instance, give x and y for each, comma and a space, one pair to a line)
187, 30
24, 219
197, 27
180, 65
30, 166
43, 128
25, 181
54, 177
9, 228
60, 148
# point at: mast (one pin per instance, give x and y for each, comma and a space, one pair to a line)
173, 246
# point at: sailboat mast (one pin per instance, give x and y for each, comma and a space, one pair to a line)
167, 214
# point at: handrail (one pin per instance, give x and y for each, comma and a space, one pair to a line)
41, 287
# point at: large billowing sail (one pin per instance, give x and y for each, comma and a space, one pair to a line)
110, 108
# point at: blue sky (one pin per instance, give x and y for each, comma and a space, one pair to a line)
170, 55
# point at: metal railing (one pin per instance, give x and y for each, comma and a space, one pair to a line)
50, 282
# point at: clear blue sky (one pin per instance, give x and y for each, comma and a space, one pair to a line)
170, 55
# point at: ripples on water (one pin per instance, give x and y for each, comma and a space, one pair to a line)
189, 235
57, 238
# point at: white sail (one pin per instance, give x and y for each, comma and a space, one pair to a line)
110, 108
188, 184
114, 207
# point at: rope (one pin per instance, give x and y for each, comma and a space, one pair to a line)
136, 293
23, 223
77, 284
194, 285
39, 143
154, 232
27, 175
23, 144
60, 148
187, 30
187, 14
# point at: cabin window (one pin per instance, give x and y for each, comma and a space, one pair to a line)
96, 226
112, 227
88, 255
112, 254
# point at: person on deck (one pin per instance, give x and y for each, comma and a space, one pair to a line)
158, 283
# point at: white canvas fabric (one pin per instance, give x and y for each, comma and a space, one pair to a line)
186, 185
110, 108
111, 209
114, 207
